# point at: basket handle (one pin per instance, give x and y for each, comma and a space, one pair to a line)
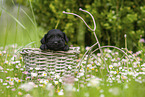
83, 19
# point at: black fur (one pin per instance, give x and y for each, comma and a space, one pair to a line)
54, 40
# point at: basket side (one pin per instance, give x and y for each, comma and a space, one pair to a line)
48, 63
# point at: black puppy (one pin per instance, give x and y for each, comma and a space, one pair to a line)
54, 40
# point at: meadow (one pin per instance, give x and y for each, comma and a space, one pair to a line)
124, 78
111, 74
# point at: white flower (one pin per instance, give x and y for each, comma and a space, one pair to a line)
143, 65
126, 86
61, 92
111, 66
37, 68
6, 62
81, 74
5, 83
60, 80
1, 68
41, 81
115, 64
33, 74
56, 82
0, 53
86, 95
57, 76
49, 86
82, 70
27, 95
102, 95
94, 82
45, 81
87, 48
11, 83
143, 69
19, 93
124, 77
44, 74
76, 79
52, 72
68, 87
118, 76
115, 91
27, 86
120, 68
31, 68
69, 67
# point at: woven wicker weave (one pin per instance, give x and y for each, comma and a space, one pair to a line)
48, 63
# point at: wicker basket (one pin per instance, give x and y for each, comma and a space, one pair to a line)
48, 63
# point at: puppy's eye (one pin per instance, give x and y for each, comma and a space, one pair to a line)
59, 36
51, 36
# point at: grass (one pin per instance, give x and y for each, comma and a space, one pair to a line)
125, 77
120, 81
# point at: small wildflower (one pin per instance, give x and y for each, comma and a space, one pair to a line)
86, 95
142, 40
1, 68
0, 53
102, 95
94, 82
27, 86
115, 91
11, 83
69, 67
6, 62
92, 68
37, 68
96, 70
56, 82
20, 57
87, 48
143, 69
61, 92
57, 76
5, 83
19, 93
110, 66
27, 95
33, 74
44, 74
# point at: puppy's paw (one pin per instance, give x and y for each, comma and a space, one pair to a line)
66, 48
43, 47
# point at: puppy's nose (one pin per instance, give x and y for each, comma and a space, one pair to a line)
55, 42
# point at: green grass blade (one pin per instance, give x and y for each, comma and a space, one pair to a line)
15, 19
6, 35
17, 24
13, 2
32, 11
28, 17
24, 46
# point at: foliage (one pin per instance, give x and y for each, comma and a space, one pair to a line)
114, 19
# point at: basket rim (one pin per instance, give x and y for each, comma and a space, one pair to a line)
36, 50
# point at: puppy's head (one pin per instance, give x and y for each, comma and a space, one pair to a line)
54, 40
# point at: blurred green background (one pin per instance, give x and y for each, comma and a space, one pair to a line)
25, 21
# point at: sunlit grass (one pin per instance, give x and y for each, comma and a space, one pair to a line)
118, 82
125, 78
18, 25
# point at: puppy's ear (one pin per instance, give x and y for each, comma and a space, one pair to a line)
43, 40
65, 37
